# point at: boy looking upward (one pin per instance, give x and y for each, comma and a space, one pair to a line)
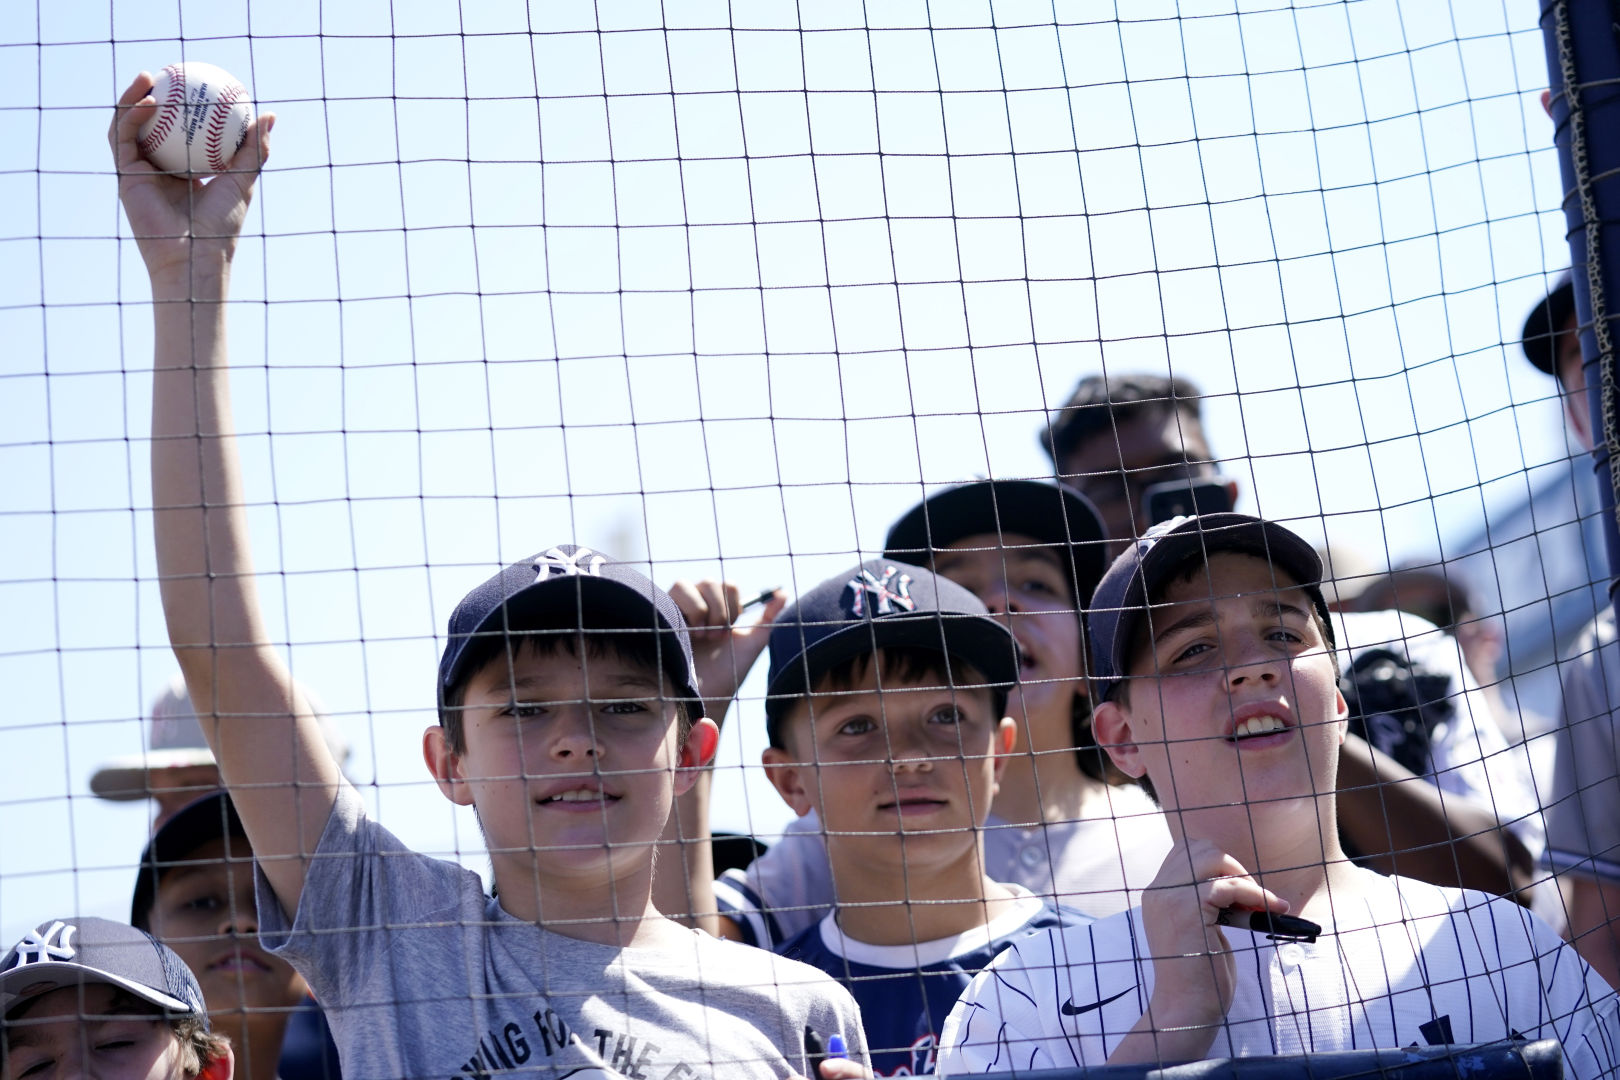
1215, 666
885, 712
92, 997
1462, 811
566, 720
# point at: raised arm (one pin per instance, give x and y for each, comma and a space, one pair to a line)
683, 886
264, 734
1402, 823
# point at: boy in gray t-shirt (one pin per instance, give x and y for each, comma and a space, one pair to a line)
568, 718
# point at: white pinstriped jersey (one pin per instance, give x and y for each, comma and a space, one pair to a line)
1092, 866
1404, 963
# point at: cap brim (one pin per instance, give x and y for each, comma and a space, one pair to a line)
558, 604
49, 975
198, 823
971, 638
125, 779
1049, 513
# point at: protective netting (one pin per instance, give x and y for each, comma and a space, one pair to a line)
724, 290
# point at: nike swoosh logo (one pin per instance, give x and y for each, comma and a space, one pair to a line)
1069, 1008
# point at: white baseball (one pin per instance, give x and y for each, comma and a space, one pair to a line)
202, 116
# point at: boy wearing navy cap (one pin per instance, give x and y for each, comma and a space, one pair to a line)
885, 712
92, 997
1214, 659
194, 893
566, 693
1031, 552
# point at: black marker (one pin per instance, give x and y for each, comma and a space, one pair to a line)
1275, 927
761, 599
815, 1051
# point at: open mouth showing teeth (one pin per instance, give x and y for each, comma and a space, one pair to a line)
1258, 725
579, 796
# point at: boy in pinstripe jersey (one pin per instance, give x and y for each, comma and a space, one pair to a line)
1214, 663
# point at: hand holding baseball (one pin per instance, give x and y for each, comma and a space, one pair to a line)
178, 218
203, 114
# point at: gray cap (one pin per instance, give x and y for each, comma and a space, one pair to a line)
175, 740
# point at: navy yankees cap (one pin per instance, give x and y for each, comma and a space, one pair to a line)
72, 951
1044, 511
209, 818
879, 604
1545, 322
569, 588
1122, 597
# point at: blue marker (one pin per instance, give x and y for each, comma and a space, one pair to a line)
836, 1047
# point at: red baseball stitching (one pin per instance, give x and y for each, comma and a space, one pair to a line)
214, 137
168, 110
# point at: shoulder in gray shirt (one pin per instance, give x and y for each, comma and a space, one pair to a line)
423, 975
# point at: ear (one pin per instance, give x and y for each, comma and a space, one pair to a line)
794, 780
1231, 492
1111, 724
222, 1067
1578, 420
1342, 712
1001, 745
696, 753
445, 765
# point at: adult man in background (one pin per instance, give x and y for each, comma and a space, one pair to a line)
1120, 435
1583, 818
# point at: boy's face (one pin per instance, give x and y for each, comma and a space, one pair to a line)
1233, 699
567, 755
919, 759
1026, 584
205, 912
84, 1032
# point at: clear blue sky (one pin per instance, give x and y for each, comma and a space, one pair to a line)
522, 274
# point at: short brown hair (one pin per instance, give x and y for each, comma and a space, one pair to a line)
1101, 404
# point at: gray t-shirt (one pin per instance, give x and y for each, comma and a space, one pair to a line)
1583, 819
423, 975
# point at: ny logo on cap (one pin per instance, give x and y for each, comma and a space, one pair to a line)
891, 591
556, 563
57, 944
1156, 532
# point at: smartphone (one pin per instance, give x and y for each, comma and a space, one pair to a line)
1180, 498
